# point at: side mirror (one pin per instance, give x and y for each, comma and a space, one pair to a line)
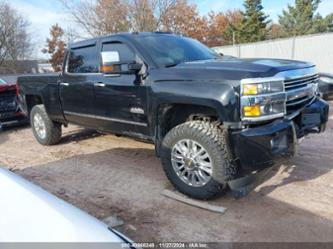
134, 67
111, 64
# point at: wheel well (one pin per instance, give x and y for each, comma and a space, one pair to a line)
32, 100
173, 115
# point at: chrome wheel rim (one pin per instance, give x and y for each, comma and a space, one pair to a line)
192, 163
39, 126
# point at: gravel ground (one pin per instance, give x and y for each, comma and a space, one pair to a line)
115, 176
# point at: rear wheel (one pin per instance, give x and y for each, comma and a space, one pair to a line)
46, 131
196, 159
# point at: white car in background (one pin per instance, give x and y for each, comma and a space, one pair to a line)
30, 214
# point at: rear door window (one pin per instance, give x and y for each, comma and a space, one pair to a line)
83, 60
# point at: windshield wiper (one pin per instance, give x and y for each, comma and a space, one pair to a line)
176, 64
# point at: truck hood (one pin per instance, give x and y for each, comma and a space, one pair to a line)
230, 68
7, 87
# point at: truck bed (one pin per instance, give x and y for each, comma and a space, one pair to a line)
43, 88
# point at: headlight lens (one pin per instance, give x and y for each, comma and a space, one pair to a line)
264, 110
262, 88
251, 111
250, 89
263, 100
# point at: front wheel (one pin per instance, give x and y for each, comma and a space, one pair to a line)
196, 159
44, 129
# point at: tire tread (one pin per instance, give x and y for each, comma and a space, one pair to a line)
53, 129
211, 132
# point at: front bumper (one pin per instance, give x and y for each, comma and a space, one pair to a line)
8, 118
260, 147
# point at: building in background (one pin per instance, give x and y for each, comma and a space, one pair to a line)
25, 67
45, 68
19, 67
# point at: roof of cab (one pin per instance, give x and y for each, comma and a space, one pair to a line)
93, 41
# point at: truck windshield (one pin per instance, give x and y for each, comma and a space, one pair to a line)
171, 50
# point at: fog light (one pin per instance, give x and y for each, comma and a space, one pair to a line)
252, 111
279, 143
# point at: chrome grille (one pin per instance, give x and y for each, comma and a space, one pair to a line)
7, 105
7, 101
300, 92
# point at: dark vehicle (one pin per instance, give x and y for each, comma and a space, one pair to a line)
9, 110
326, 85
212, 119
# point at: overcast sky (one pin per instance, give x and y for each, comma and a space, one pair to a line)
42, 14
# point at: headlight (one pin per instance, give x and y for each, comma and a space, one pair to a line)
263, 100
262, 88
264, 110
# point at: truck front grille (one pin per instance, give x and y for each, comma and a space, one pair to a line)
300, 92
7, 101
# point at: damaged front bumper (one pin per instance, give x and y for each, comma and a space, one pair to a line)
258, 148
10, 118
10, 112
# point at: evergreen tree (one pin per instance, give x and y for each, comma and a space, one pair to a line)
302, 19
254, 24
329, 21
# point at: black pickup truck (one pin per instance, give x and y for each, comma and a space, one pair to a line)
212, 118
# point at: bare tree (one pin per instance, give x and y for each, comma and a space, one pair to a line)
15, 43
150, 15
141, 15
72, 35
98, 17
183, 18
111, 16
101, 17
222, 27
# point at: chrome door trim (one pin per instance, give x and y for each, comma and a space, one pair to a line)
100, 85
107, 119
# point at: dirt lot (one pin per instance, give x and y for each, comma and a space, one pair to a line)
111, 176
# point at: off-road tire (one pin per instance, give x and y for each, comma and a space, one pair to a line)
214, 139
53, 129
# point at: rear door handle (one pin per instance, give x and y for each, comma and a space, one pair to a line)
64, 84
100, 85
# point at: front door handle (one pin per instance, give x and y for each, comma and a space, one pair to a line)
100, 85
64, 84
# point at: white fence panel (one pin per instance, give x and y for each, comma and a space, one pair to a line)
317, 49
229, 50
272, 49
